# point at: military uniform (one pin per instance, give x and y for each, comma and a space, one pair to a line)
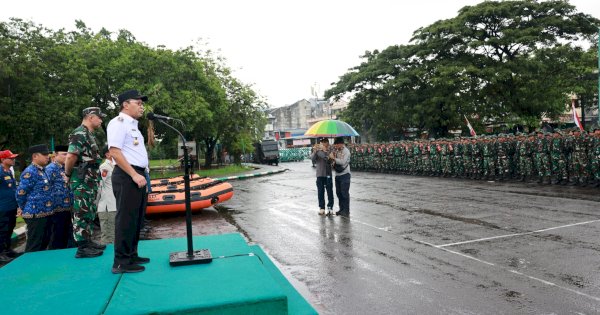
594, 155
542, 160
84, 181
489, 159
559, 163
579, 160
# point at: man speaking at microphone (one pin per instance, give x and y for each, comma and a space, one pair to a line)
126, 146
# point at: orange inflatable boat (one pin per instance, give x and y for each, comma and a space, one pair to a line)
195, 184
202, 195
173, 180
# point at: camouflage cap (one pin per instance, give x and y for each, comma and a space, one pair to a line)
93, 110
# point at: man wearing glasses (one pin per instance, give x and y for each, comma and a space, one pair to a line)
126, 147
81, 166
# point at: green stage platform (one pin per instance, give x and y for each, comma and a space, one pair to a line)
240, 280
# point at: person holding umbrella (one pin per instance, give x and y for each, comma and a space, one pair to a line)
341, 165
320, 158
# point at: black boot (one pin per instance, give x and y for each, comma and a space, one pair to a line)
95, 245
85, 251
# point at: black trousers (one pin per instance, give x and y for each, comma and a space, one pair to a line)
38, 234
131, 205
342, 190
8, 220
61, 230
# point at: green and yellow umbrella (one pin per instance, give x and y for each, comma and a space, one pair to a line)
331, 128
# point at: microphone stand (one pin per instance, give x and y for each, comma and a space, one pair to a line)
190, 257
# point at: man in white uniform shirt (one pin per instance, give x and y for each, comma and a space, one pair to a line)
126, 147
107, 204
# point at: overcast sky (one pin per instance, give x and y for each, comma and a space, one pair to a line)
281, 47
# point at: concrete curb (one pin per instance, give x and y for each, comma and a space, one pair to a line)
239, 177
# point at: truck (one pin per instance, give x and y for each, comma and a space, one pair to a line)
267, 152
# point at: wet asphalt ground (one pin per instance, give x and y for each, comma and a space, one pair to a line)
420, 245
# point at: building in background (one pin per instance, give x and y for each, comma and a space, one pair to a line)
289, 123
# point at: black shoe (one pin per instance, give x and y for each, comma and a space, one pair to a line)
85, 251
12, 254
95, 245
4, 258
140, 260
127, 268
342, 213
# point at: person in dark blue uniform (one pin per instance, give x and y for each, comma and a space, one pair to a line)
8, 205
35, 199
61, 229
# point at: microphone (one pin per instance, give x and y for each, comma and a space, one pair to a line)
153, 116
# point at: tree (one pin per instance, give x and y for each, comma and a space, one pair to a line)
507, 61
47, 77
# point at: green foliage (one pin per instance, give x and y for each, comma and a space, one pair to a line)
509, 61
228, 170
47, 77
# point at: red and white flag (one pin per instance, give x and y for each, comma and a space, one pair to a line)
575, 116
471, 130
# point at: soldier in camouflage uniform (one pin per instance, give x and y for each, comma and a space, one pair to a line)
579, 175
425, 161
410, 167
489, 158
459, 163
417, 164
594, 154
502, 163
542, 160
524, 149
559, 162
477, 145
83, 161
513, 157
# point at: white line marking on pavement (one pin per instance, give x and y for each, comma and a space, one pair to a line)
387, 228
548, 283
506, 269
516, 234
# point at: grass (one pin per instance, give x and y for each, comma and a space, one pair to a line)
213, 172
163, 163
20, 222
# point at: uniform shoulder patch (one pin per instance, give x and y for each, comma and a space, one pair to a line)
27, 175
120, 118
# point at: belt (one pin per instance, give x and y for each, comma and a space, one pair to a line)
137, 168
89, 165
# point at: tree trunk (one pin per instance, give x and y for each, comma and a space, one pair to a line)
210, 148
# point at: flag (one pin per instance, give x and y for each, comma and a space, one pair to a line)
471, 130
575, 117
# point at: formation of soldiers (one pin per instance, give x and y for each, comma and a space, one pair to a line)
294, 154
560, 157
